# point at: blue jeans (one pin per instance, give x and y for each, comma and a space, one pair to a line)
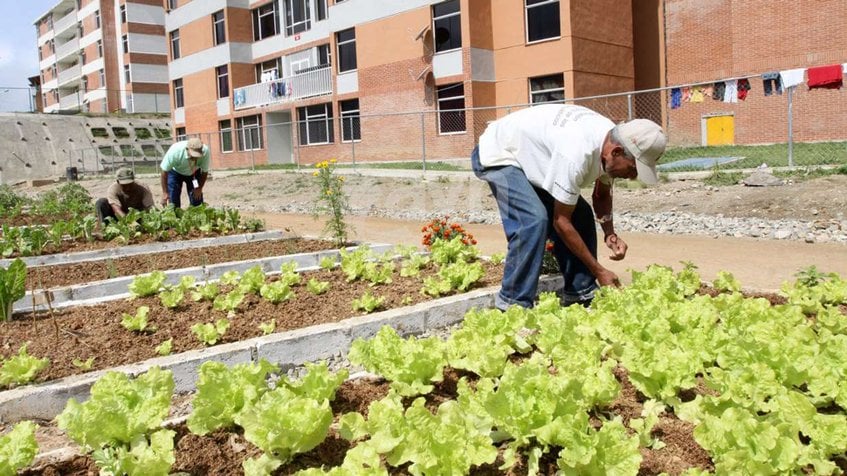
175, 181
527, 215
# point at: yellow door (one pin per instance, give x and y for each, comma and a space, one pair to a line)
720, 130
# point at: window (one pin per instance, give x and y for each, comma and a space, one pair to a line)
547, 89
97, 19
542, 19
269, 66
82, 57
172, 4
223, 81
447, 26
218, 27
297, 16
52, 46
323, 55
315, 124
249, 132
346, 41
351, 127
85, 83
321, 9
265, 21
225, 127
180, 133
451, 108
123, 13
127, 75
102, 78
99, 48
175, 54
53, 70
125, 43
179, 100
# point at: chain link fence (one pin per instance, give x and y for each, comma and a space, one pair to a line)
787, 130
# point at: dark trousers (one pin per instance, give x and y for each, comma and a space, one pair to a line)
104, 210
175, 181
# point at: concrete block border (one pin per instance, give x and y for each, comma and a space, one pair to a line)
287, 349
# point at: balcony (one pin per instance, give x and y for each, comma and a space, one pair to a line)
71, 101
67, 21
67, 49
71, 74
316, 82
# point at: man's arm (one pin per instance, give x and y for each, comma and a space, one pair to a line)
164, 182
602, 203
564, 227
119, 212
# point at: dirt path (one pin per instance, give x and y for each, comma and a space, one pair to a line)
758, 264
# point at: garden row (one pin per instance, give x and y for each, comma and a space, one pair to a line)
653, 378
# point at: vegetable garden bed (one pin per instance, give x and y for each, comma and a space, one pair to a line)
654, 378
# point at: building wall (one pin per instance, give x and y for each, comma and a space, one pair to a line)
718, 39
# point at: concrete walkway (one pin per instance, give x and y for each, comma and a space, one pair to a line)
758, 264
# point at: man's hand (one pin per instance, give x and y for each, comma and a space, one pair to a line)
617, 245
608, 278
164, 200
197, 193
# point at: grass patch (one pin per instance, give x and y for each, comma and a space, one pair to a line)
626, 184
106, 150
149, 150
143, 133
441, 166
722, 179
277, 167
120, 132
809, 173
162, 133
775, 155
127, 150
99, 132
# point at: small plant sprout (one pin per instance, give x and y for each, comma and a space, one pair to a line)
368, 302
138, 322
327, 263
165, 347
317, 287
86, 364
268, 327
208, 333
276, 292
228, 302
173, 297
413, 265
288, 274
406, 300
230, 278
205, 292
497, 258
148, 284
20, 369
187, 283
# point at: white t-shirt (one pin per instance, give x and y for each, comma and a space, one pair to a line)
557, 147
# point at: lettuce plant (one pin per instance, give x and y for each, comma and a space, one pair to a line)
18, 448
288, 273
268, 327
276, 292
84, 365
138, 322
173, 297
205, 292
147, 284
209, 333
368, 302
327, 263
21, 369
165, 347
228, 302
317, 287
12, 287
252, 280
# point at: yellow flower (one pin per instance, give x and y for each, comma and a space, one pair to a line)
340, 179
329, 192
331, 161
315, 173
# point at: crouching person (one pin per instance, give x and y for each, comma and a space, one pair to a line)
122, 195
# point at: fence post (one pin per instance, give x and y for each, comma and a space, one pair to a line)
791, 126
629, 107
423, 142
352, 141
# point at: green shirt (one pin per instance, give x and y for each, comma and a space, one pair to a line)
176, 159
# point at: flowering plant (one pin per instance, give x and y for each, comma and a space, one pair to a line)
332, 200
549, 265
442, 229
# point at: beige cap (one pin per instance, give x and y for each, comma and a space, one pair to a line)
645, 141
125, 176
194, 146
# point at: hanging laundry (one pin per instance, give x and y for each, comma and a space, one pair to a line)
686, 94
844, 68
771, 83
676, 98
697, 94
829, 77
792, 77
731, 91
709, 90
743, 87
718, 93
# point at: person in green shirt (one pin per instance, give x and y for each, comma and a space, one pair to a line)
185, 162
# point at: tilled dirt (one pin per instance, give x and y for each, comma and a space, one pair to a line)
47, 277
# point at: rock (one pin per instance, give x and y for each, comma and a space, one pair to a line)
810, 238
761, 178
782, 234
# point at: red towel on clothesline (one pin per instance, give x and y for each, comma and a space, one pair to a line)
829, 77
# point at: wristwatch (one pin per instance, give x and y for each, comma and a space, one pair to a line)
604, 219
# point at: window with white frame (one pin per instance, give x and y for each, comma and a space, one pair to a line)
82, 57
447, 26
225, 129
175, 53
127, 74
85, 83
324, 55
97, 19
321, 6
346, 41
123, 13
270, 66
181, 134
265, 21
297, 16
125, 43
99, 48
222, 73
351, 127
218, 28
179, 100
172, 4
315, 124
547, 89
451, 108
542, 20
102, 78
249, 132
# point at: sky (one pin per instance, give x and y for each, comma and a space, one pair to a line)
18, 53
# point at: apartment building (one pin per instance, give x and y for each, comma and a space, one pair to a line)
103, 56
282, 81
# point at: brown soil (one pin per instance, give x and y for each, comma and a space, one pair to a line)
46, 277
96, 331
221, 453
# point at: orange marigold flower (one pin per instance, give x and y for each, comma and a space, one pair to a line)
549, 246
473, 241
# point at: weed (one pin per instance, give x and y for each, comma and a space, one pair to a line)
332, 201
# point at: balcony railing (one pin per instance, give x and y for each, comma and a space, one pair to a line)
67, 49
65, 22
70, 74
317, 82
71, 101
